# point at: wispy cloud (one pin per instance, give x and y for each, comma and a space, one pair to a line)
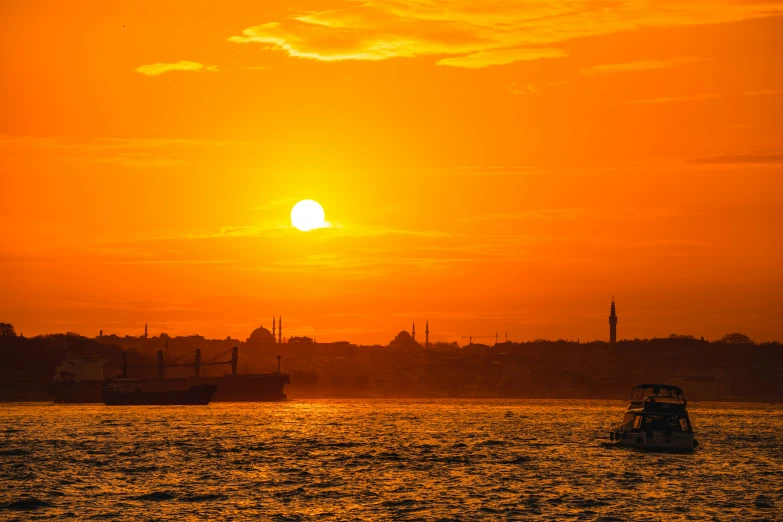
156, 69
704, 96
331, 231
640, 65
128, 152
362, 231
570, 214
139, 160
65, 142
242, 231
516, 88
478, 34
487, 58
741, 159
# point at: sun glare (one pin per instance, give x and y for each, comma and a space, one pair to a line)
307, 215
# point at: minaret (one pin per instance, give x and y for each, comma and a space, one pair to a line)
612, 325
273, 327
427, 335
145, 330
413, 331
280, 330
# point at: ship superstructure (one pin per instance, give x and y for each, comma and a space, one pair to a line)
78, 368
78, 379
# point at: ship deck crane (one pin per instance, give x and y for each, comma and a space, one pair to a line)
197, 363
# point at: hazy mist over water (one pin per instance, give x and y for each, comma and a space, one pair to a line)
381, 459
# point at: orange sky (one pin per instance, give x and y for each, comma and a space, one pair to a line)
493, 166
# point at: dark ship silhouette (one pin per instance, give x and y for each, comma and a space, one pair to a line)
123, 391
80, 380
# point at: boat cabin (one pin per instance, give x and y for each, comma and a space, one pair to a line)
655, 419
657, 407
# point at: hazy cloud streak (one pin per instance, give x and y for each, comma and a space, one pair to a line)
641, 65
741, 159
487, 58
156, 69
703, 96
383, 29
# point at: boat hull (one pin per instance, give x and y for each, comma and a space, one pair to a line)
198, 395
659, 441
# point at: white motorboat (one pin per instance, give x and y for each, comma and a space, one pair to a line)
656, 419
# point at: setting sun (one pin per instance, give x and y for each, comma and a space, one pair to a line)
307, 215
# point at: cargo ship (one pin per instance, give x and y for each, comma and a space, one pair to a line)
78, 379
234, 387
124, 391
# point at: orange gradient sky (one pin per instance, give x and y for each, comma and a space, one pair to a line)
490, 166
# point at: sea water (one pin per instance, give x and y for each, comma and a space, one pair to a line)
382, 460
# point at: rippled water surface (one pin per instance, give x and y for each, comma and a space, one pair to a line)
384, 459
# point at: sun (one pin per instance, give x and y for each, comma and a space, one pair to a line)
308, 215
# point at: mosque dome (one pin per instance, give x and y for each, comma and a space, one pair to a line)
403, 340
261, 335
403, 336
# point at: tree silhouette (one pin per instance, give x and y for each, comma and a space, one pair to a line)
736, 338
7, 330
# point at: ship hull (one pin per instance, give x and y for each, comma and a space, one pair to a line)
230, 388
71, 392
249, 387
199, 395
658, 441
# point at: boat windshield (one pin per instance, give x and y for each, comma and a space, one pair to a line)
659, 392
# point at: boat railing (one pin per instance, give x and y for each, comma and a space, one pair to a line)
680, 401
660, 399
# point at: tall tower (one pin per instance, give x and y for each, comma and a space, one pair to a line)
413, 331
612, 325
427, 335
280, 330
273, 327
145, 330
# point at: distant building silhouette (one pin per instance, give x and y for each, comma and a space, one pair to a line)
427, 335
279, 330
612, 324
413, 331
404, 341
145, 330
261, 335
273, 326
